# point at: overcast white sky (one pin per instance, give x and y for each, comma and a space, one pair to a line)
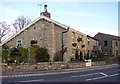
87, 17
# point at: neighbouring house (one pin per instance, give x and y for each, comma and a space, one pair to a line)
110, 44
54, 36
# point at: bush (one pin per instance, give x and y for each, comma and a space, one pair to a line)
19, 54
11, 54
32, 52
23, 53
42, 55
58, 57
98, 57
5, 52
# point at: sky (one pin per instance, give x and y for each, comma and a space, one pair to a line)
86, 17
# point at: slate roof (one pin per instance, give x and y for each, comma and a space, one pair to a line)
112, 37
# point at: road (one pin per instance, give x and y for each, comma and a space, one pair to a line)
107, 73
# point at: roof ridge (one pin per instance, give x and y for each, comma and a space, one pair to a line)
108, 34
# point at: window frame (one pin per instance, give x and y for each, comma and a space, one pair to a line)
19, 42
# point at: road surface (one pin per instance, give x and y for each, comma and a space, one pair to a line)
108, 73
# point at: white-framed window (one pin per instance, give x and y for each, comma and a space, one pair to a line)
19, 42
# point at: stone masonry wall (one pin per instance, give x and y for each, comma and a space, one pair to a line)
47, 66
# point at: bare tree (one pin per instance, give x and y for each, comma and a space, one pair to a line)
4, 30
21, 22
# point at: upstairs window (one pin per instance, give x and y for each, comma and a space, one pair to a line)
105, 43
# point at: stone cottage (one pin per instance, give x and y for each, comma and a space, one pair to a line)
52, 35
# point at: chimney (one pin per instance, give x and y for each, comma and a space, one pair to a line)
45, 8
45, 13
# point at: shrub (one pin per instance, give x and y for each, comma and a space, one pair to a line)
23, 53
98, 57
32, 52
42, 55
11, 55
19, 54
58, 56
5, 52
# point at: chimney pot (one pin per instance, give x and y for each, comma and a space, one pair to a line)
45, 8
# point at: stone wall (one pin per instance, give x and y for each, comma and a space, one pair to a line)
47, 66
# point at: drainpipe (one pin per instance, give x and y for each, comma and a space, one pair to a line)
62, 40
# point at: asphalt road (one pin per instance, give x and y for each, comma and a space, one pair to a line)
108, 73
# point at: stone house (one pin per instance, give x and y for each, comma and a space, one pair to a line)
110, 44
52, 35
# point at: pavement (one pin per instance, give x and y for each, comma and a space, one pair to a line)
106, 73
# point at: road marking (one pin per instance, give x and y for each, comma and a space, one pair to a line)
96, 78
114, 74
104, 74
31, 80
88, 74
74, 76
84, 75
